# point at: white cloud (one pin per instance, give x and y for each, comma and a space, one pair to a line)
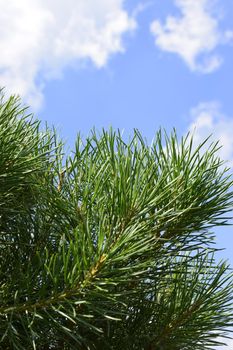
207, 120
194, 35
39, 38
229, 343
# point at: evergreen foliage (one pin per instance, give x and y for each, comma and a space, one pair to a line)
111, 247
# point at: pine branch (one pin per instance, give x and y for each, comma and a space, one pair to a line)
106, 249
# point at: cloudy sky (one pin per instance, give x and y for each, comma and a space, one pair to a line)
126, 64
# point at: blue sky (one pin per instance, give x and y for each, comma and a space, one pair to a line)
145, 87
126, 64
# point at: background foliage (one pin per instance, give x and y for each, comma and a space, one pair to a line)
111, 247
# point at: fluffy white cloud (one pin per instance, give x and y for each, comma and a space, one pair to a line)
207, 120
39, 38
194, 35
